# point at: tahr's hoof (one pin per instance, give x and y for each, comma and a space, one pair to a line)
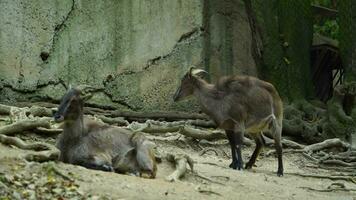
248, 166
236, 165
108, 168
233, 165
279, 174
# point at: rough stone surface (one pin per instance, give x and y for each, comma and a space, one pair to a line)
134, 50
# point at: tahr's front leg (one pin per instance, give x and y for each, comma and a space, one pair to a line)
230, 135
239, 142
94, 162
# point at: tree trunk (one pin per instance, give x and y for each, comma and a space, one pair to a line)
347, 39
286, 31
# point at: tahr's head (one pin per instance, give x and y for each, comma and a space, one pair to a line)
71, 106
186, 87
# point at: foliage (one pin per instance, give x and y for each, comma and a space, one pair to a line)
327, 27
325, 3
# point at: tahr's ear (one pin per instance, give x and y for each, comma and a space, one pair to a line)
191, 71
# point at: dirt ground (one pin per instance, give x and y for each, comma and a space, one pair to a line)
259, 183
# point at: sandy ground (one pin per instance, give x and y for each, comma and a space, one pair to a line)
259, 183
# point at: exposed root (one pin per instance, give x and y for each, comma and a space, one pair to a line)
24, 125
310, 157
180, 161
291, 144
4, 109
340, 157
327, 144
169, 116
207, 178
204, 151
38, 111
339, 162
50, 166
207, 191
24, 112
315, 154
154, 127
48, 132
42, 151
201, 134
119, 121
38, 146
332, 188
345, 178
43, 156
213, 164
285, 142
330, 143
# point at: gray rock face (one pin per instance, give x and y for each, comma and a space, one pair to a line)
135, 51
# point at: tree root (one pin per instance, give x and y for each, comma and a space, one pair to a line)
155, 127
332, 188
48, 132
341, 157
4, 109
330, 143
43, 156
339, 162
38, 146
204, 151
24, 125
201, 134
50, 166
327, 144
345, 178
285, 142
180, 161
120, 121
310, 157
34, 111
38, 111
43, 151
199, 175
168, 116
207, 191
321, 158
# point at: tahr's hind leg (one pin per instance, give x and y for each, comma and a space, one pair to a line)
94, 162
259, 144
277, 133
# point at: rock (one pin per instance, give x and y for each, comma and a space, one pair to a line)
16, 195
31, 186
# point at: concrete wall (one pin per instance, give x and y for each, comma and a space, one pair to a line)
135, 50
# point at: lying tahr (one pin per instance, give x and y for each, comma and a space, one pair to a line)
99, 146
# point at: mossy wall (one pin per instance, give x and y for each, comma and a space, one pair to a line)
134, 50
